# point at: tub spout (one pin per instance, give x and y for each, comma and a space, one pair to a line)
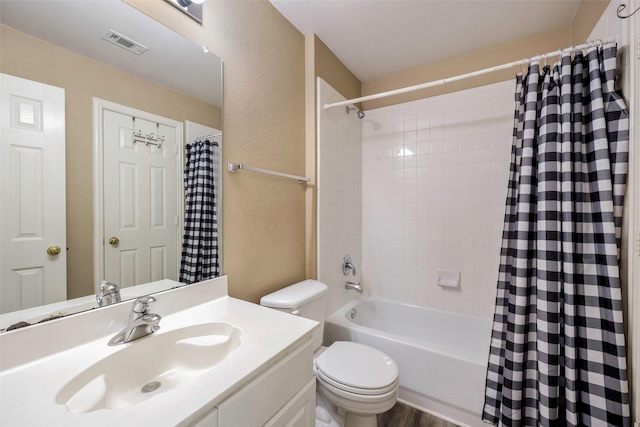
355, 286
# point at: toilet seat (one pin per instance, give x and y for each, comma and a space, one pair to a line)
358, 369
363, 393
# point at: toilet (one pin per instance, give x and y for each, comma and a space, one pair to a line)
360, 381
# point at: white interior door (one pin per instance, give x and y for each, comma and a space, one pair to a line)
140, 201
32, 190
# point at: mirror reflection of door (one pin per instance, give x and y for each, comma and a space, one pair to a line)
140, 199
32, 189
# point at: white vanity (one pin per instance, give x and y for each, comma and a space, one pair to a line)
216, 361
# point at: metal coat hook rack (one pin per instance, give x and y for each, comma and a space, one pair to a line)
148, 139
623, 7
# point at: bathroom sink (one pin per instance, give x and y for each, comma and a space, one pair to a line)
155, 364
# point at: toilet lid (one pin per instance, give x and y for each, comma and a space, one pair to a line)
357, 366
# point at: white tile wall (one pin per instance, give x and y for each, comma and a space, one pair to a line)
339, 195
434, 183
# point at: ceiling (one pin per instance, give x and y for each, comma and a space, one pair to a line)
376, 38
172, 60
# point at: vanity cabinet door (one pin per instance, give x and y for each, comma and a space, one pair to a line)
300, 411
271, 391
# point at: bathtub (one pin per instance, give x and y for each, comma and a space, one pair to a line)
441, 356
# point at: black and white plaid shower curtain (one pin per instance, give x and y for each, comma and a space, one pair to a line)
200, 242
557, 354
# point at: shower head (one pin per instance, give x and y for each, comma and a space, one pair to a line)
357, 110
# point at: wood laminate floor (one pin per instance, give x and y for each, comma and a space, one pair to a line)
405, 416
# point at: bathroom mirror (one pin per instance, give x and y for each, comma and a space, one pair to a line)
90, 49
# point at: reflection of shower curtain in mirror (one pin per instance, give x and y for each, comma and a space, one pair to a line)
200, 243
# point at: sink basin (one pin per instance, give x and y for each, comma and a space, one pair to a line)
154, 364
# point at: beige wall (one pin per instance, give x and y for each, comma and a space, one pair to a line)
83, 79
319, 62
264, 126
577, 33
586, 19
330, 69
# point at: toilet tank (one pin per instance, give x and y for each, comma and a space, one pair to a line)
307, 299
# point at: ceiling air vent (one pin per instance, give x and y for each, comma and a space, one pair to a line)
124, 42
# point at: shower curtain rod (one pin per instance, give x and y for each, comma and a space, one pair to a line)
200, 138
466, 76
204, 138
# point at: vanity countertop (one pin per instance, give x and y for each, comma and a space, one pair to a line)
28, 386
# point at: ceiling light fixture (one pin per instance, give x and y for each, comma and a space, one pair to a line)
193, 8
187, 3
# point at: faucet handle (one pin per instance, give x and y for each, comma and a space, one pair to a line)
347, 266
107, 287
153, 320
143, 304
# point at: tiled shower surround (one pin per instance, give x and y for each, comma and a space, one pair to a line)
434, 181
339, 195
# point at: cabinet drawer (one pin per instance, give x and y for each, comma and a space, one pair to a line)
263, 397
300, 411
209, 419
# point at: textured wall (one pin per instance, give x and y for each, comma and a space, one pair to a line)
264, 126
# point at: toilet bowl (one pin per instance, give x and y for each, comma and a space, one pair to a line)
360, 381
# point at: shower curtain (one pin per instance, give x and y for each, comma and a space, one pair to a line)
200, 242
557, 355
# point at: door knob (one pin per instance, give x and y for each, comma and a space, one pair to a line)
114, 241
53, 250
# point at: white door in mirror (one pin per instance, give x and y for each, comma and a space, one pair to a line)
140, 200
33, 252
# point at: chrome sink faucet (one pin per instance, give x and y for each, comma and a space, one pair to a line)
108, 294
141, 322
355, 286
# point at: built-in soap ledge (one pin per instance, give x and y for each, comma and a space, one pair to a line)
448, 279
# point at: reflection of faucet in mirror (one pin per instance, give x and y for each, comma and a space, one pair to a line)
141, 322
108, 294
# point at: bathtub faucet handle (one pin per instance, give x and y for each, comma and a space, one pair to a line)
347, 266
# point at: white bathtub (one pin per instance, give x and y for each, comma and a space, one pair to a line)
442, 356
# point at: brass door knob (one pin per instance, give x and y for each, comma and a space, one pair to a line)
114, 241
53, 250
